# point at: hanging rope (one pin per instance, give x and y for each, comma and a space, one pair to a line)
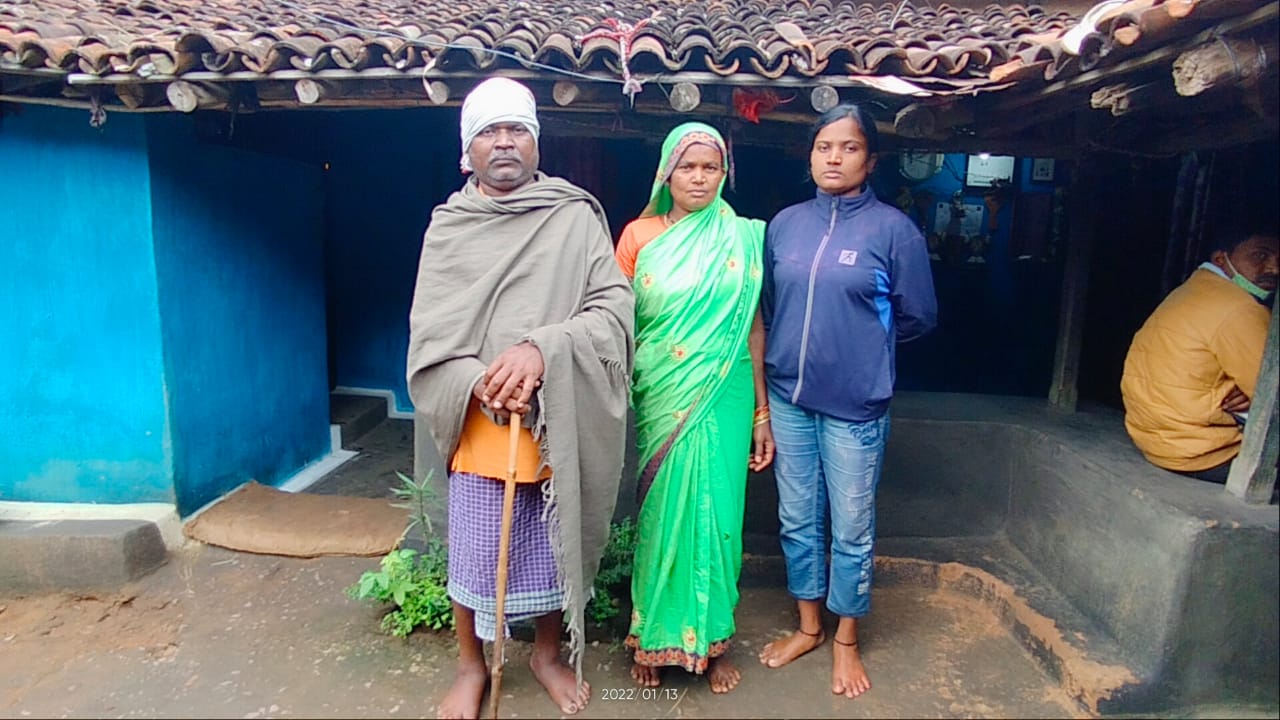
97, 113
624, 33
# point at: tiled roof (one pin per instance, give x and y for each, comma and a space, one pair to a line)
804, 38
911, 49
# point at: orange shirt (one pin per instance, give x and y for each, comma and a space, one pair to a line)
1204, 339
635, 236
483, 447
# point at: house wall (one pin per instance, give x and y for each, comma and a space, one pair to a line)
387, 170
240, 262
998, 309
82, 392
1133, 243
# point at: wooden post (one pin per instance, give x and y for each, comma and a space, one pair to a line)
437, 92
187, 96
685, 96
1123, 98
311, 91
1253, 473
918, 120
565, 92
1221, 62
823, 98
133, 95
1063, 389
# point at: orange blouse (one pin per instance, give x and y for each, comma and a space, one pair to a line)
635, 236
483, 447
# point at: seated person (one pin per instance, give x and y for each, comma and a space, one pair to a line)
1193, 366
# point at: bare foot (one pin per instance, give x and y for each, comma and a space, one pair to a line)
463, 698
848, 676
561, 682
723, 675
645, 675
780, 652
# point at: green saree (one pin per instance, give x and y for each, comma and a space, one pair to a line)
697, 285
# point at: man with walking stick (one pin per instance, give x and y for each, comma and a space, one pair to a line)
520, 314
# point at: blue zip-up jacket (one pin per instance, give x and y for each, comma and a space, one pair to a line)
845, 279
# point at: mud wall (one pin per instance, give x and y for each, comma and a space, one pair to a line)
82, 405
240, 269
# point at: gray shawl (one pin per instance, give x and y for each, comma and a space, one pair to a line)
534, 265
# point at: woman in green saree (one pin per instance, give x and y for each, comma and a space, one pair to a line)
696, 268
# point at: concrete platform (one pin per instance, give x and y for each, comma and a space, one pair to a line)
1127, 589
1114, 562
1173, 575
79, 555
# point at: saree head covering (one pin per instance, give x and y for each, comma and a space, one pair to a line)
496, 100
673, 148
697, 285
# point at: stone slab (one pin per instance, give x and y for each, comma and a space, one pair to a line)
76, 555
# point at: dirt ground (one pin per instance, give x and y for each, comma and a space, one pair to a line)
220, 634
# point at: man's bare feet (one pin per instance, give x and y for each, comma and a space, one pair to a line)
723, 675
848, 676
780, 652
646, 675
464, 696
561, 682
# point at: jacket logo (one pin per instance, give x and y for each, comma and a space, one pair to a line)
848, 257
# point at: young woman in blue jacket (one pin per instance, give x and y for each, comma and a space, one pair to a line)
846, 278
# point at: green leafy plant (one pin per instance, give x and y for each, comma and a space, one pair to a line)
615, 571
415, 582
418, 497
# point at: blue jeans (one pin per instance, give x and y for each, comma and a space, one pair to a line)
824, 463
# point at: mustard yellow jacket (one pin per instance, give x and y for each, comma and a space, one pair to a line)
1205, 338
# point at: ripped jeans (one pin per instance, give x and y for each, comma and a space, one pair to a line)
822, 463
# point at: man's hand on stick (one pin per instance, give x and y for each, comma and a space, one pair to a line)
511, 379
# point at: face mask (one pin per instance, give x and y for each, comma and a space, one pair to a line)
1246, 284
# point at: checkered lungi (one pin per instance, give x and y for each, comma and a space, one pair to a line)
475, 522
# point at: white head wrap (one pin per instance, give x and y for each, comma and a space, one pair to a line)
496, 100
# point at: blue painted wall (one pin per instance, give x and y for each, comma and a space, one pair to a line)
387, 170
239, 256
82, 397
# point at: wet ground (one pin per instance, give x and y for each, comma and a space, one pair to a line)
220, 634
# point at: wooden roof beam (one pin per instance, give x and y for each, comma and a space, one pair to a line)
1266, 14
1223, 61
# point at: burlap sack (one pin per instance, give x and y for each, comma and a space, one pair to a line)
261, 519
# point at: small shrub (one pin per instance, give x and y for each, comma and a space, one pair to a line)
615, 572
416, 582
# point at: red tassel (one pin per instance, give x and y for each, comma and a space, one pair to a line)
751, 103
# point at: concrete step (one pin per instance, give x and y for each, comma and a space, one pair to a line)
1072, 649
76, 555
355, 415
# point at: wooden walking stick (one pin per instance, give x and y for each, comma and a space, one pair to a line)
504, 552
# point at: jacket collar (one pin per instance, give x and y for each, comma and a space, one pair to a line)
846, 206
